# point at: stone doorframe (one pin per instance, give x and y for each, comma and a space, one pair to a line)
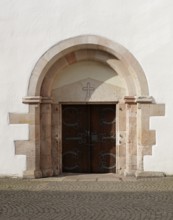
134, 139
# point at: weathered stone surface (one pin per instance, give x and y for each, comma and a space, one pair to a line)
147, 174
134, 108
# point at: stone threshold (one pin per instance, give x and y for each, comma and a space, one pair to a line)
80, 177
107, 177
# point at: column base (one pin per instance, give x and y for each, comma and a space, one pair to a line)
32, 174
56, 172
47, 172
129, 173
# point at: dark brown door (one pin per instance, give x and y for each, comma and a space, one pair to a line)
88, 138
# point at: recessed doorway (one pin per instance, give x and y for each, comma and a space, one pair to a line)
89, 138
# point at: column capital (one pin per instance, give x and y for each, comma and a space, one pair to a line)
144, 99
138, 99
130, 99
31, 100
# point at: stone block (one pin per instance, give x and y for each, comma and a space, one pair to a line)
148, 174
19, 118
70, 58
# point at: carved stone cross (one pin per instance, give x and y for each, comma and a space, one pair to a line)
88, 89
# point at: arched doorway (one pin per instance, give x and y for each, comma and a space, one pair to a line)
114, 78
86, 92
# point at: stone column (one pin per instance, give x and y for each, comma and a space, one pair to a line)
140, 147
120, 138
131, 135
45, 145
56, 140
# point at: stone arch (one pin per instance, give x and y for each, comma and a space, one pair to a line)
122, 61
134, 139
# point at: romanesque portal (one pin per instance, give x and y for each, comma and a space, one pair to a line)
100, 84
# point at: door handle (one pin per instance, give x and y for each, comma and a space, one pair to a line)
87, 133
94, 137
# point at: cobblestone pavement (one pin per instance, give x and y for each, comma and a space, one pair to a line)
84, 199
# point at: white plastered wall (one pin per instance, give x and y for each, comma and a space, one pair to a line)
28, 28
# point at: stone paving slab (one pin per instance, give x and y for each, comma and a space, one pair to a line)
49, 198
90, 177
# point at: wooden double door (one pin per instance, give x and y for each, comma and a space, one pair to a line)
88, 138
